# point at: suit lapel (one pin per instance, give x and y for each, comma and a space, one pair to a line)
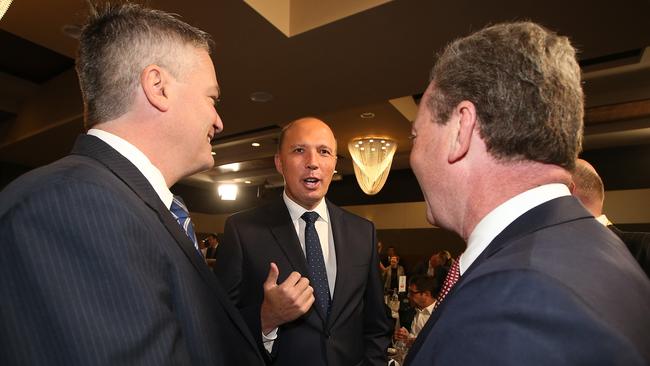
97, 149
285, 235
553, 212
341, 292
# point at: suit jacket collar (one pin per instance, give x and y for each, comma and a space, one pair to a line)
554, 212
97, 149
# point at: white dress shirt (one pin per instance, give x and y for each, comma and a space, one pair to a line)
141, 162
502, 216
420, 319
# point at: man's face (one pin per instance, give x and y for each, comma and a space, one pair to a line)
306, 160
212, 241
393, 261
415, 297
196, 120
429, 158
434, 261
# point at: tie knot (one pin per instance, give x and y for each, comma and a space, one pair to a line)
310, 217
178, 208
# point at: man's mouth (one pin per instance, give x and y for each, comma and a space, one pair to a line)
311, 182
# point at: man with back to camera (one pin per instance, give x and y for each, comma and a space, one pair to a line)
589, 189
541, 282
305, 234
119, 281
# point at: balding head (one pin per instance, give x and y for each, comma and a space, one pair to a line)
588, 187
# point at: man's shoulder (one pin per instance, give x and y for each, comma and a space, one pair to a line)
264, 211
347, 215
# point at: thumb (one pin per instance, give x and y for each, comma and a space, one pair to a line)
272, 278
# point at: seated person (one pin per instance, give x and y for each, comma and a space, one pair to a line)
420, 295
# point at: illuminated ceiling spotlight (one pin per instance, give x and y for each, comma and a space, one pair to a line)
228, 192
372, 164
233, 167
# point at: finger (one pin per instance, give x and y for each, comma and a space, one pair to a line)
291, 281
308, 303
305, 295
302, 284
272, 278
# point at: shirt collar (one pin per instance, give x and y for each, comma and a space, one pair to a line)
140, 160
428, 310
604, 220
502, 216
295, 210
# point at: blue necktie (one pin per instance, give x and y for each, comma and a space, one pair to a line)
316, 264
182, 215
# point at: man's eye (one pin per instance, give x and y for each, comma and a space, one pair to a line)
298, 150
325, 152
412, 137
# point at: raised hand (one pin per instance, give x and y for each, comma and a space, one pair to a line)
286, 301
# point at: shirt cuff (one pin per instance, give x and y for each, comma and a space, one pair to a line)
269, 339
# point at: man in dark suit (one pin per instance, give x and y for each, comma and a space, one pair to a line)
541, 282
334, 249
94, 267
211, 252
589, 189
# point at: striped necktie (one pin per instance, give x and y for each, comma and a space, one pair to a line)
182, 215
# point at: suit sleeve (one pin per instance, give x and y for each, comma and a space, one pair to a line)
520, 317
229, 270
80, 284
377, 332
229, 262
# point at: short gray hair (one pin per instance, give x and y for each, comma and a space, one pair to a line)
525, 83
116, 44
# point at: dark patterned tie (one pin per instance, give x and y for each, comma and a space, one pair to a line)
452, 277
316, 264
182, 215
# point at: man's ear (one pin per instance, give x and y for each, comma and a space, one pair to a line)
153, 80
278, 163
466, 114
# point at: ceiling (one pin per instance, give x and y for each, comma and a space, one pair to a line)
337, 72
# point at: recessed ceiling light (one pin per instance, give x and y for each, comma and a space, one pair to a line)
213, 153
232, 167
227, 192
367, 115
255, 144
247, 181
371, 140
261, 97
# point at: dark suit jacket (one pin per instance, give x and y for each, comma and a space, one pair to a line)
554, 288
357, 330
94, 270
639, 245
211, 253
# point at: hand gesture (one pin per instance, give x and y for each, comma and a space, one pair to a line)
286, 301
